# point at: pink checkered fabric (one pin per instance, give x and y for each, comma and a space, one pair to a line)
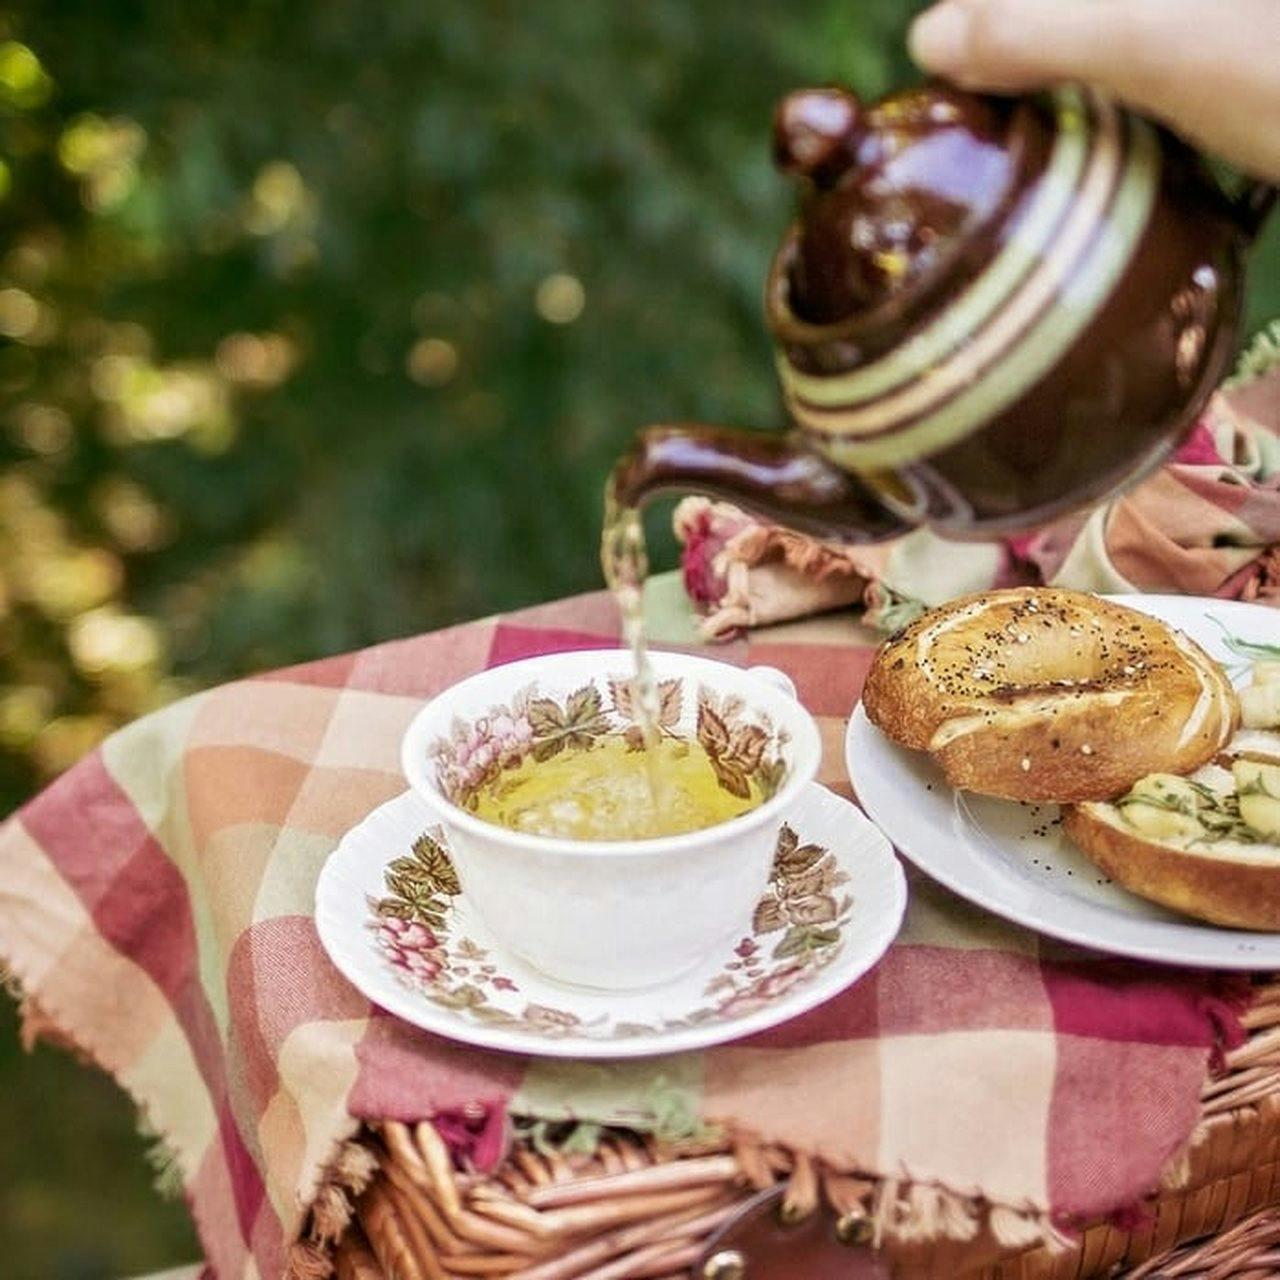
156, 904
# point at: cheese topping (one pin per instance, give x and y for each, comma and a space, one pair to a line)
1210, 695
1218, 811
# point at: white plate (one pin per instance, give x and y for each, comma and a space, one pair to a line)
834, 905
1014, 860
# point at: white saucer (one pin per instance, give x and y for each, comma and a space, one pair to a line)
394, 920
1014, 860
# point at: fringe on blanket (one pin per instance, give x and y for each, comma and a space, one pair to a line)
1244, 1069
867, 1209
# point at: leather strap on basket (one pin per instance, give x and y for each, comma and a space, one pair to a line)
760, 1243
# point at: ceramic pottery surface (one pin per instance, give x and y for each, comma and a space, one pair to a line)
987, 313
619, 914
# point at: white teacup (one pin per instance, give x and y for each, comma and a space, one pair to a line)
621, 914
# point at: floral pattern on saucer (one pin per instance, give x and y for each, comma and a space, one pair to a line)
413, 927
392, 915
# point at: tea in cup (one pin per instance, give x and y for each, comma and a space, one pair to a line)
542, 782
615, 791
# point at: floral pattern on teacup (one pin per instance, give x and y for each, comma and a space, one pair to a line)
412, 928
740, 749
744, 748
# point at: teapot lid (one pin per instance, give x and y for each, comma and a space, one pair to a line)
941, 233
889, 190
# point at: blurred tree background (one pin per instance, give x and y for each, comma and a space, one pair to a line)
323, 324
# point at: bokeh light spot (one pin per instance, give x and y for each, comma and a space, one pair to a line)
31, 258
279, 199
150, 402
105, 640
43, 428
71, 580
64, 741
560, 298
24, 711
19, 313
131, 516
256, 360
24, 83
276, 565
103, 154
432, 362
110, 375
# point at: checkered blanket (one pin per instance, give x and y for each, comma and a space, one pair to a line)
156, 909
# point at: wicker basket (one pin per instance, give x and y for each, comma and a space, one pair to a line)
398, 1210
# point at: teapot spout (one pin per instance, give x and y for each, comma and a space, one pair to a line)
774, 477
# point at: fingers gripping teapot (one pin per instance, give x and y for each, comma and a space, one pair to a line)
988, 312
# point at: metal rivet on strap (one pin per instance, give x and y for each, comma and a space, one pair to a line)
728, 1264
790, 1214
855, 1228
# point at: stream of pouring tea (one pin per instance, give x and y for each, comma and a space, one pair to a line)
626, 565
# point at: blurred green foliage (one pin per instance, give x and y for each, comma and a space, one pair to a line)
323, 324
328, 327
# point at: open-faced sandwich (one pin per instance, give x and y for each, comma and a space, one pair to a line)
1207, 844
1050, 695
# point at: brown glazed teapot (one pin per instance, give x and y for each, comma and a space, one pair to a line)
989, 311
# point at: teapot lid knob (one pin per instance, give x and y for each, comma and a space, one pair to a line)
815, 133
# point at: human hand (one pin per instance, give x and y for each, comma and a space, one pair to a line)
1210, 69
